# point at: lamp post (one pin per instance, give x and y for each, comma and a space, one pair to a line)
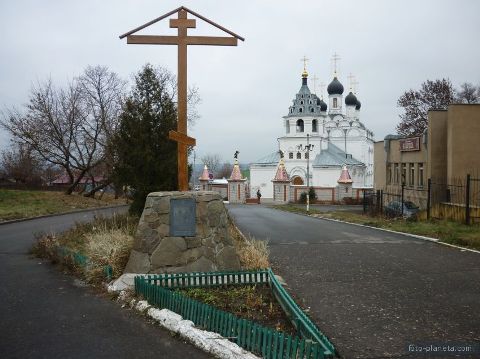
308, 149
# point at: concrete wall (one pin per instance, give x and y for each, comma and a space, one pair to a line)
463, 136
437, 149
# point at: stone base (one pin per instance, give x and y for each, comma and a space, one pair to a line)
211, 249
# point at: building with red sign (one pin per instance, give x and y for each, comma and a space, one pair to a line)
447, 150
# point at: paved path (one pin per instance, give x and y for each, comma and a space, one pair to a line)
373, 293
43, 314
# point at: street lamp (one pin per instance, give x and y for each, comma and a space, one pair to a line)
308, 149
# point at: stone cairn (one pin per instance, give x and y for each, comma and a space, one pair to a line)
210, 249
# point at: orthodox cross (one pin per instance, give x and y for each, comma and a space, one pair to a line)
315, 79
280, 152
355, 86
235, 155
322, 89
335, 59
182, 40
351, 79
304, 59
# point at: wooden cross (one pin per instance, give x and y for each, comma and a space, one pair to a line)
182, 40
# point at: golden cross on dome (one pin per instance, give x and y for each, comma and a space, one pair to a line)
304, 59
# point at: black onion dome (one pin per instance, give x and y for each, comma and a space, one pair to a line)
351, 99
335, 87
323, 106
359, 105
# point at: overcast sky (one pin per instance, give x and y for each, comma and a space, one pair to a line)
388, 46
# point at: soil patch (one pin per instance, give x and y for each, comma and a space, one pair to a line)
255, 303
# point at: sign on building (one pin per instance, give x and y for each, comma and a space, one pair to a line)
410, 144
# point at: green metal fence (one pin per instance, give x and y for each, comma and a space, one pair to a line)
309, 344
82, 260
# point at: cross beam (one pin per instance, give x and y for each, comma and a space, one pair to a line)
182, 23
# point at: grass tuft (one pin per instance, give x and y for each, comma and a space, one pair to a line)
105, 241
253, 253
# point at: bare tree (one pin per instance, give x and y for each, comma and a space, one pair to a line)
225, 171
20, 165
433, 95
63, 127
212, 161
102, 93
468, 93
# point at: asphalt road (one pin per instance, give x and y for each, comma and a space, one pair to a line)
45, 314
371, 292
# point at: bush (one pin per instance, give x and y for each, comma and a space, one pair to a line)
311, 193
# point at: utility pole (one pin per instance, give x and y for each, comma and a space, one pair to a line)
308, 149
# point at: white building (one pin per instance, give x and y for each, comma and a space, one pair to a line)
334, 135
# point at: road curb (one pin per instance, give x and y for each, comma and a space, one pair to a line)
429, 239
60, 214
210, 342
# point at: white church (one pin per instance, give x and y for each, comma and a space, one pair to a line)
323, 146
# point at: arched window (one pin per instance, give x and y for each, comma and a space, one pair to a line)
290, 155
300, 126
287, 124
335, 103
311, 109
300, 110
301, 102
314, 126
299, 155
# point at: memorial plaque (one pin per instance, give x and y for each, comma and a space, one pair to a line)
182, 217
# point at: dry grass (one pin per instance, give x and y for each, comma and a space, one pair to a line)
105, 241
253, 253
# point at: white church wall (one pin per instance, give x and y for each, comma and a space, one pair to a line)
261, 178
326, 177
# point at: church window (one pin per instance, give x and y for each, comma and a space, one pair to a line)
311, 109
300, 110
287, 124
314, 126
300, 125
301, 102
299, 156
306, 155
335, 103
290, 155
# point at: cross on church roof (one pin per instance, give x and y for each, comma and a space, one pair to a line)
315, 78
351, 80
304, 59
335, 59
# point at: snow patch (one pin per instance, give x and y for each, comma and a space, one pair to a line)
209, 342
